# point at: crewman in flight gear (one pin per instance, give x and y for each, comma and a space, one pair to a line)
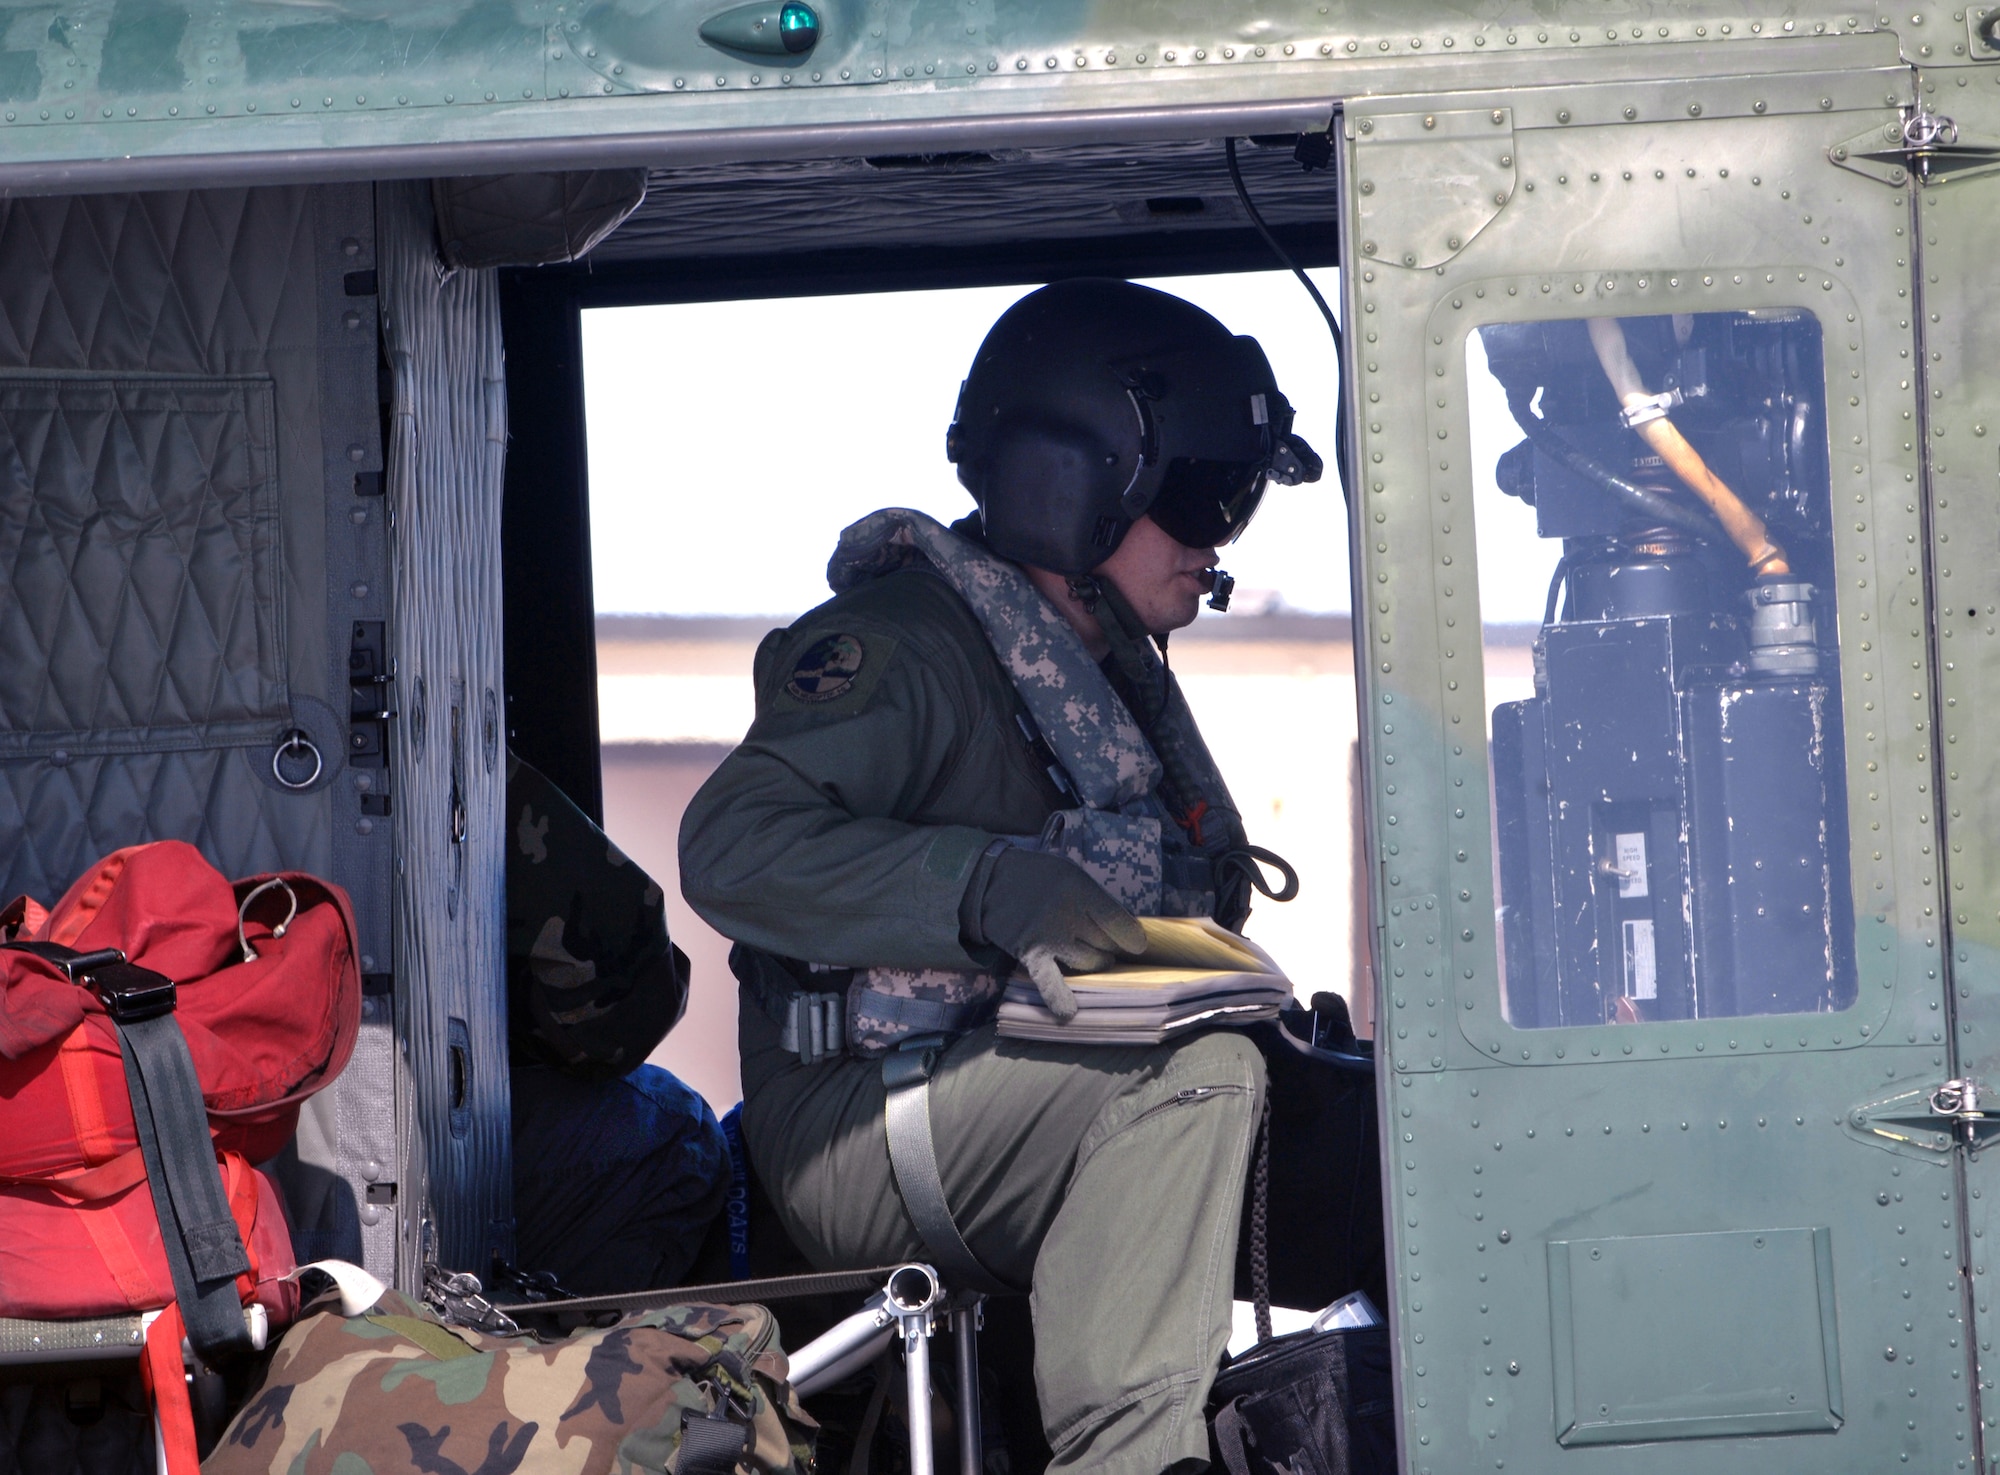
974, 759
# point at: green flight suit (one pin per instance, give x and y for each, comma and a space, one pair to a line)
1105, 1181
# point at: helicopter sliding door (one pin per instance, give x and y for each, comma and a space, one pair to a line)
1952, 230
1645, 707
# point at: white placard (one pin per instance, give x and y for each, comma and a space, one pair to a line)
1631, 862
1642, 979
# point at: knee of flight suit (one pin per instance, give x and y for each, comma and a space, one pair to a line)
1220, 1058
1223, 1063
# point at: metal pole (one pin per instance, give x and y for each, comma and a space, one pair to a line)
851, 1345
917, 1364
971, 1437
912, 1292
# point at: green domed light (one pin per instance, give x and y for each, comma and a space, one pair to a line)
764, 28
798, 27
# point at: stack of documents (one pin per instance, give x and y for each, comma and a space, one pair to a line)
1194, 972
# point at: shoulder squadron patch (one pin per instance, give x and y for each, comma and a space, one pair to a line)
826, 670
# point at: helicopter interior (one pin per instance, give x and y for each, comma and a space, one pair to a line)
977, 218
1725, 666
810, 230
1666, 794
1633, 545
1673, 807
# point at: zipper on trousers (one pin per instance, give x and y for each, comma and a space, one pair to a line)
1183, 1097
1180, 1098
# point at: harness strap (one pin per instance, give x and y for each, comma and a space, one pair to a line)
165, 1380
906, 1072
711, 1444
204, 1250
198, 1233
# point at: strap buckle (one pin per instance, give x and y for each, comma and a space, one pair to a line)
913, 1060
814, 1026
128, 992
68, 959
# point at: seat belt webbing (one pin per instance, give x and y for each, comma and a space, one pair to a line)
913, 1159
204, 1250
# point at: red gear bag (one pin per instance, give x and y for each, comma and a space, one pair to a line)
268, 999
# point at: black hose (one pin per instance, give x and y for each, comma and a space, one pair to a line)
1332, 322
1555, 590
1647, 503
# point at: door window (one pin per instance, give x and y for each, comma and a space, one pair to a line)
1656, 562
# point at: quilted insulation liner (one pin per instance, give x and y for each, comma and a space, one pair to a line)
163, 528
188, 282
139, 568
55, 812
191, 531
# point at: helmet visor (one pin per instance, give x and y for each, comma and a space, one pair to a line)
1205, 504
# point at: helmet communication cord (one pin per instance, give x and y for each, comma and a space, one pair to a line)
1332, 322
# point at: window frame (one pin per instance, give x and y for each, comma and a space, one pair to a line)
1454, 934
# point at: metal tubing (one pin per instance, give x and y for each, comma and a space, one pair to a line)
853, 1362
971, 1437
912, 1289
917, 1367
827, 1359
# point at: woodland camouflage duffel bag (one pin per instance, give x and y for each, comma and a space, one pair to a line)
694, 1389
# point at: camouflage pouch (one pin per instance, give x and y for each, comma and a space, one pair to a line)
682, 1388
885, 1006
593, 981
1120, 852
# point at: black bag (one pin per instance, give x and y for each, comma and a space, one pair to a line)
1324, 1224
1311, 1403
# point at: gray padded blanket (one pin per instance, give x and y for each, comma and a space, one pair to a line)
191, 524
163, 538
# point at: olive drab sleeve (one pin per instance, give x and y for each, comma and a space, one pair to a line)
808, 841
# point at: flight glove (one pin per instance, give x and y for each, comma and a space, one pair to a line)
1046, 912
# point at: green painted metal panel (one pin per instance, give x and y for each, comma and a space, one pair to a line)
1505, 1140
103, 93
1633, 1329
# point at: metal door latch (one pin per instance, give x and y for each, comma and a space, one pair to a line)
1923, 144
1958, 1100
1928, 1122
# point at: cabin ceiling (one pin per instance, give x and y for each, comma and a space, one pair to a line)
1029, 207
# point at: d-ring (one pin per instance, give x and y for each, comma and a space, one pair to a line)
295, 740
243, 914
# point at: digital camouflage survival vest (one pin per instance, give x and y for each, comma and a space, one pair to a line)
1156, 860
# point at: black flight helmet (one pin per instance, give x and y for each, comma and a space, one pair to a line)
1094, 402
